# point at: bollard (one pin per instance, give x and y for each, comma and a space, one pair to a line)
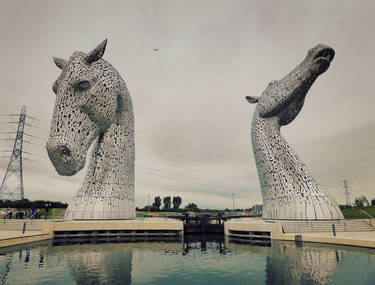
333, 230
24, 228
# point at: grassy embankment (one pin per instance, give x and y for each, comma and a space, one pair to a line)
355, 212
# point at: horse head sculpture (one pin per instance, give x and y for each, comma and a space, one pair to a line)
93, 103
288, 189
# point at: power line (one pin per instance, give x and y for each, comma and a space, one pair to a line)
182, 189
175, 176
24, 133
16, 115
188, 166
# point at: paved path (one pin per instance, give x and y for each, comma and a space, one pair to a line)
10, 238
363, 239
15, 234
347, 235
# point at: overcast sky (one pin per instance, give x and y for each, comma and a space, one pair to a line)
192, 121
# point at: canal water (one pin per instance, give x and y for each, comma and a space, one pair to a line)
187, 263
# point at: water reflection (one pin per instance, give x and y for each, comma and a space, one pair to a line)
193, 242
27, 256
5, 268
195, 261
302, 263
96, 264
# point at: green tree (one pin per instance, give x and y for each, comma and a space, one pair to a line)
191, 207
361, 201
176, 202
157, 203
167, 202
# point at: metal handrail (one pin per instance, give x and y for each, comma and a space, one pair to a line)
367, 214
24, 224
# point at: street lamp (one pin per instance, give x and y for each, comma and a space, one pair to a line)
148, 205
233, 201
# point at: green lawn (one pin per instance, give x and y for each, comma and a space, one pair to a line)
355, 213
55, 213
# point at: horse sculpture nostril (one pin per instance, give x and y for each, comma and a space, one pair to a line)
65, 151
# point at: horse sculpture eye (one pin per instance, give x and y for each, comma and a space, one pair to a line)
83, 85
54, 87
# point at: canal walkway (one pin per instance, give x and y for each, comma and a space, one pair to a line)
11, 238
362, 239
241, 227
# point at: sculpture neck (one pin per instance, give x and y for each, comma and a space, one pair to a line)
270, 145
264, 133
288, 189
108, 188
113, 151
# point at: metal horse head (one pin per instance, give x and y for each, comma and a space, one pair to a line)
285, 98
289, 191
89, 98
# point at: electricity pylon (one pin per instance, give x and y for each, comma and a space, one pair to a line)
346, 185
12, 185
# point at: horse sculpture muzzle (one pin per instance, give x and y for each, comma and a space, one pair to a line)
319, 58
70, 140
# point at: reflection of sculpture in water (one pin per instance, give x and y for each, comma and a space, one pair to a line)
291, 264
94, 264
109, 263
92, 102
92, 267
288, 189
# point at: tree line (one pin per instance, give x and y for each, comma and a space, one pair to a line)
360, 202
169, 204
27, 204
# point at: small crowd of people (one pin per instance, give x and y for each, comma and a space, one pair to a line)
24, 214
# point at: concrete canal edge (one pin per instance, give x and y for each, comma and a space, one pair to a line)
262, 230
152, 228
12, 239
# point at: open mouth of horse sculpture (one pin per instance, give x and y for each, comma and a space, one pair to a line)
93, 104
288, 189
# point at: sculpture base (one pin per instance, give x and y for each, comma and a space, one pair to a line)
111, 215
103, 209
311, 208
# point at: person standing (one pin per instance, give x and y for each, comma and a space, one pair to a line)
47, 210
32, 213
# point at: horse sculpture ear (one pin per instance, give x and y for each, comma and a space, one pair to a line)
252, 99
96, 53
60, 62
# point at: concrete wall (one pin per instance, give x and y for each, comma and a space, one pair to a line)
362, 239
253, 225
146, 224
